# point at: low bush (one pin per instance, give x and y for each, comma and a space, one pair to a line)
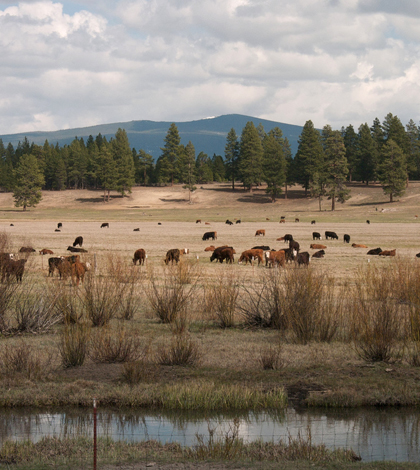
182, 351
270, 357
224, 296
138, 371
73, 345
23, 360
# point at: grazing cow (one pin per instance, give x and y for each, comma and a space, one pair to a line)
78, 271
418, 255
229, 222
172, 255
260, 232
57, 230
303, 258
261, 247
331, 235
223, 253
316, 236
356, 245
140, 256
46, 252
198, 221
388, 253
287, 238
368, 221
315, 246
53, 265
210, 248
72, 249
238, 221
12, 225
313, 222
59, 225
346, 238
374, 251
282, 221
208, 235
105, 224
78, 241
293, 244
159, 223
64, 267
26, 249
249, 255
275, 258
136, 230
290, 254
13, 267
319, 254
296, 220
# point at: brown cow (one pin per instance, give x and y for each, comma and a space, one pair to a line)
26, 249
275, 258
210, 248
44, 251
282, 221
355, 245
388, 253
13, 267
296, 220
315, 246
260, 232
172, 255
198, 221
249, 255
64, 267
223, 253
78, 271
140, 256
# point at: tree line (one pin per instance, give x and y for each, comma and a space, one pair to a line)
325, 161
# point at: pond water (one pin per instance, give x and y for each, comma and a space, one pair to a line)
374, 434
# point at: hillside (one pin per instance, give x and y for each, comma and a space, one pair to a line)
207, 135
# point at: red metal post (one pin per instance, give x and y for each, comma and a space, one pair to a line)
94, 434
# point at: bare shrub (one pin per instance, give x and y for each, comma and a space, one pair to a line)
110, 346
377, 319
67, 303
182, 351
270, 357
172, 297
224, 296
7, 294
24, 360
73, 345
130, 279
138, 371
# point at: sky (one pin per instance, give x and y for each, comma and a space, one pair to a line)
74, 64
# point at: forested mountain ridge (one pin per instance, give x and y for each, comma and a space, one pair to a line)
207, 135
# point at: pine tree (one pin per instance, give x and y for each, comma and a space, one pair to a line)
203, 168
367, 154
107, 171
274, 163
28, 182
413, 160
309, 158
144, 167
392, 171
289, 160
187, 168
251, 154
232, 155
170, 155
350, 142
123, 158
218, 167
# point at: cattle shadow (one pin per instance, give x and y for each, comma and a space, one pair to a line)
173, 199
91, 200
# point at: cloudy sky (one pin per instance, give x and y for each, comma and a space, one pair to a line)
69, 64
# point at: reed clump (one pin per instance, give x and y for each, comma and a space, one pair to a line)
182, 351
270, 357
224, 296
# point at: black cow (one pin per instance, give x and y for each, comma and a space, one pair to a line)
136, 230
331, 235
288, 237
313, 222
316, 236
238, 221
105, 224
57, 230
172, 255
294, 245
59, 225
261, 247
53, 265
72, 249
223, 253
303, 258
78, 241
346, 238
208, 235
319, 254
229, 222
368, 221
374, 251
291, 253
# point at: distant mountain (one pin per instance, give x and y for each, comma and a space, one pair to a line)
207, 135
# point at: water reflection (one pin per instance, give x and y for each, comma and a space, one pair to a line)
375, 434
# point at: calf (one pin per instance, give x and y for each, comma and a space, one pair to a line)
282, 221
78, 241
356, 245
53, 265
140, 256
64, 267
374, 251
313, 222
105, 224
260, 232
368, 221
388, 253
331, 235
296, 220
319, 254
208, 235
303, 258
275, 258
13, 267
290, 254
184, 251
249, 255
57, 230
316, 236
5, 257
346, 238
172, 255
78, 271
44, 251
314, 246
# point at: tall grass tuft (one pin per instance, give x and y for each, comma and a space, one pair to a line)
224, 296
182, 351
116, 345
377, 317
270, 357
135, 372
73, 345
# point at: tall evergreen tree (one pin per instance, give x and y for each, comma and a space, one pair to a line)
274, 164
203, 168
413, 160
392, 171
123, 158
232, 156
309, 158
144, 167
187, 168
367, 154
251, 154
107, 171
28, 182
218, 167
350, 142
289, 160
170, 155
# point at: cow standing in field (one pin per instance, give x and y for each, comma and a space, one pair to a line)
140, 256
331, 235
13, 267
59, 225
303, 258
198, 221
346, 238
229, 222
53, 265
172, 255
316, 236
78, 241
222, 253
294, 245
78, 271
208, 235
105, 224
249, 255
275, 258
260, 232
